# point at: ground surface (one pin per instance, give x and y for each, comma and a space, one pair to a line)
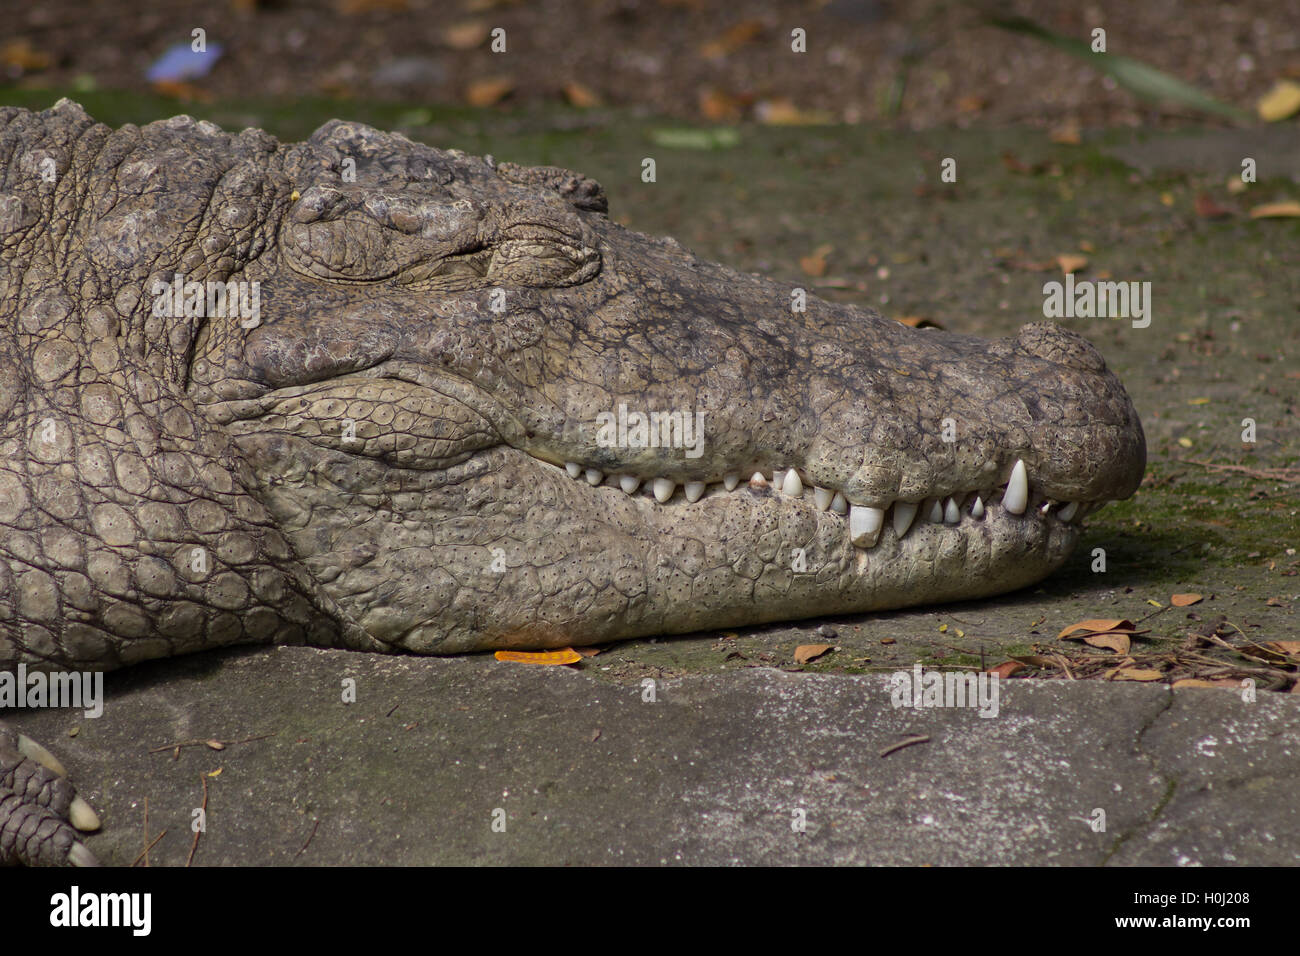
736, 741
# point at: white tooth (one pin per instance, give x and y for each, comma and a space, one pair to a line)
839, 505
951, 514
629, 483
904, 515
1067, 512
594, 477
864, 525
793, 484
694, 490
1017, 496
822, 497
1044, 509
934, 513
573, 468
756, 480
977, 509
778, 479
730, 481
664, 488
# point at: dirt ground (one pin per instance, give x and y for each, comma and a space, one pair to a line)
916, 65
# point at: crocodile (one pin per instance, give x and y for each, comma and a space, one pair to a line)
359, 392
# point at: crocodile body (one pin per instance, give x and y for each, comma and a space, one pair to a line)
360, 392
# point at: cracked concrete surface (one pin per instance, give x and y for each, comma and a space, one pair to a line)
711, 772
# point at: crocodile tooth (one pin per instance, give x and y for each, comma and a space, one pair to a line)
864, 525
1068, 510
934, 513
694, 490
629, 483
778, 478
594, 477
1017, 496
756, 480
730, 481
573, 468
839, 505
793, 484
1045, 508
951, 514
822, 498
34, 751
664, 488
977, 509
904, 515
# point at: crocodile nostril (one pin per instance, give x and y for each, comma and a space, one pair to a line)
1049, 341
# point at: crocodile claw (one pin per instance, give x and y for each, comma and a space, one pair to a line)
41, 816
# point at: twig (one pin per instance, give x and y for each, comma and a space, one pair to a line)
1265, 474
310, 836
144, 854
919, 739
195, 845
144, 837
208, 742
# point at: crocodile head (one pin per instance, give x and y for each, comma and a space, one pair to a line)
487, 416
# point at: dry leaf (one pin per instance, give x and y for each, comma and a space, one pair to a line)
810, 652
783, 112
582, 97
1114, 640
736, 37
20, 55
1137, 673
1207, 208
1289, 648
815, 264
1066, 134
1276, 210
489, 92
917, 322
1198, 682
1185, 600
1097, 626
546, 658
718, 106
970, 103
1006, 669
1072, 263
466, 35
1281, 101
215, 744
588, 651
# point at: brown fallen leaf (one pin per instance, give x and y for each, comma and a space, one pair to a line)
583, 97
971, 103
1006, 669
815, 264
733, 39
1113, 640
1185, 600
810, 652
1275, 602
917, 322
1137, 673
1067, 133
719, 106
1199, 682
20, 55
546, 658
782, 112
466, 35
588, 651
1070, 262
1097, 626
1276, 210
489, 92
1207, 208
1288, 648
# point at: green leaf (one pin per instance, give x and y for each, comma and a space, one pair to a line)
1135, 76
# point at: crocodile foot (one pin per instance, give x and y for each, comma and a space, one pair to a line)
40, 812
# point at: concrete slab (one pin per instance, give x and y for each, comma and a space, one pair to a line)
712, 771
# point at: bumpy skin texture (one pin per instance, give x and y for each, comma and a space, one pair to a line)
378, 460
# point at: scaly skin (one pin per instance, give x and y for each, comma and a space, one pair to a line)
379, 460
